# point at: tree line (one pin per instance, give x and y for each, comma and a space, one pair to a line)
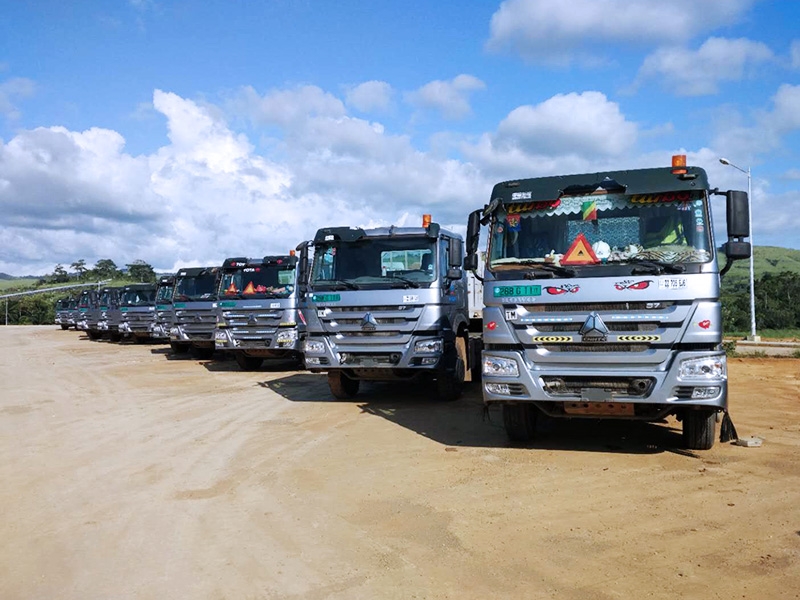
105, 268
40, 309
777, 300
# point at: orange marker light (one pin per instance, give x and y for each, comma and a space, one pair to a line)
426, 220
679, 164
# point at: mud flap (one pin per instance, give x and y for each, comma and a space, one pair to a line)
727, 432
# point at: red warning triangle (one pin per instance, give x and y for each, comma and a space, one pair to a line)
249, 289
580, 253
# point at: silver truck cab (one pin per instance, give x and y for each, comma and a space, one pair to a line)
137, 307
195, 304
62, 312
89, 313
164, 312
258, 310
602, 298
387, 303
110, 315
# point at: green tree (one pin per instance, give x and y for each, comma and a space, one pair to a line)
105, 268
60, 274
79, 266
139, 270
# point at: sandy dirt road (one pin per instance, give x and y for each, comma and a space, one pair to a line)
126, 474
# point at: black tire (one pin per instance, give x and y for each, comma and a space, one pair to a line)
202, 353
115, 336
65, 327
449, 385
520, 421
342, 387
248, 363
139, 339
699, 429
93, 335
179, 348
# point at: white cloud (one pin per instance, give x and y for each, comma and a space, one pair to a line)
794, 54
764, 130
12, 90
553, 31
288, 107
450, 98
687, 72
370, 96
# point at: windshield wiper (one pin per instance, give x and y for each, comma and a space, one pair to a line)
405, 280
550, 271
338, 283
654, 267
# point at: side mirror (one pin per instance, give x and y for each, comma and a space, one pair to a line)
738, 214
454, 273
302, 263
456, 252
736, 250
471, 262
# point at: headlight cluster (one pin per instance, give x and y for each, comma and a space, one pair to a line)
429, 346
286, 337
315, 346
495, 365
710, 368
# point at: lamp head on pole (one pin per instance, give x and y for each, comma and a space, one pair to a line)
724, 161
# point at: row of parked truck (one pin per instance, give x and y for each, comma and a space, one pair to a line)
595, 296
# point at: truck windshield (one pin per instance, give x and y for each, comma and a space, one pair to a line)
593, 230
263, 281
108, 298
200, 287
138, 298
164, 294
400, 261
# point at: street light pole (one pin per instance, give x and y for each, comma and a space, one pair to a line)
725, 161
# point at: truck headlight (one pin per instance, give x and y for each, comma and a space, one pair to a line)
286, 337
315, 346
428, 346
710, 368
495, 365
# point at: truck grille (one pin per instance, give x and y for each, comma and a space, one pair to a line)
371, 324
252, 324
637, 387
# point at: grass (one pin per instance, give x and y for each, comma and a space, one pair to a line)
21, 284
788, 335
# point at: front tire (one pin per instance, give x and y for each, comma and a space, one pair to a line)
699, 429
342, 387
202, 353
450, 384
65, 327
248, 363
519, 420
179, 348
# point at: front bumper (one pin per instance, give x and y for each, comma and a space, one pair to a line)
178, 334
369, 356
283, 339
666, 389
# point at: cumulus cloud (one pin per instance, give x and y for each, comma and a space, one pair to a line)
794, 54
565, 133
286, 108
699, 72
449, 98
12, 90
370, 96
764, 130
553, 31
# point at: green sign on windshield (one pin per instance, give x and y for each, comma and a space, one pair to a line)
508, 291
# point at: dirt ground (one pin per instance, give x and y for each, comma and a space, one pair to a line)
128, 474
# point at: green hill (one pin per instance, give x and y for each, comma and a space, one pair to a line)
766, 259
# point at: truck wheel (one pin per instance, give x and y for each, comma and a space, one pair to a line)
115, 337
248, 363
699, 429
450, 384
178, 348
65, 327
342, 387
202, 353
93, 335
520, 421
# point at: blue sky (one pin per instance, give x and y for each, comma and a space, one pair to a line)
184, 132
